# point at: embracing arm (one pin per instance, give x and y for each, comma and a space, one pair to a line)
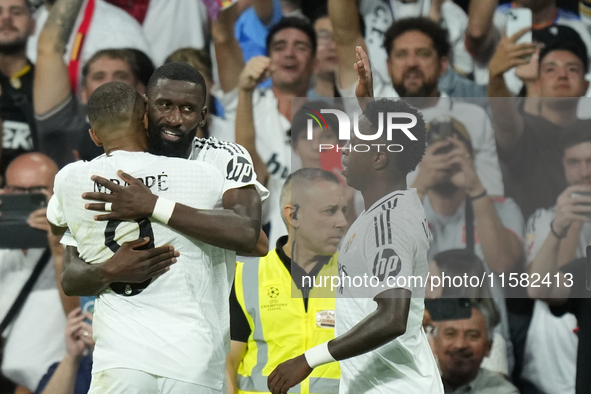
241, 213
128, 265
51, 85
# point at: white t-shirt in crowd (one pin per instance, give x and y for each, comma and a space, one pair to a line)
379, 15
390, 241
111, 28
550, 337
273, 145
173, 24
35, 338
477, 124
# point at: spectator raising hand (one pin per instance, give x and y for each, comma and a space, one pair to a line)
509, 54
255, 71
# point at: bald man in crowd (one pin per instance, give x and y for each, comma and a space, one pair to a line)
31, 341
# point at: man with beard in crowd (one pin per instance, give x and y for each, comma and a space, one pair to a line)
18, 131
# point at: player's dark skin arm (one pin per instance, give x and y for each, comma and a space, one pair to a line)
385, 324
128, 265
236, 227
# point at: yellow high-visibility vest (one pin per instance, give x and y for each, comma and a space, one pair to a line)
280, 326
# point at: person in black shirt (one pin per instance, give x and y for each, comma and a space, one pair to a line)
528, 144
16, 82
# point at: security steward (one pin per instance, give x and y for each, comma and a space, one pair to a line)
282, 304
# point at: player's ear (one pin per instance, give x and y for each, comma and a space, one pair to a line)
203, 120
94, 138
380, 160
146, 120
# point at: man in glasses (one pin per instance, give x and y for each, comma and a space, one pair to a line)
27, 356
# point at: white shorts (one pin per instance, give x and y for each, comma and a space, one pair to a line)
130, 381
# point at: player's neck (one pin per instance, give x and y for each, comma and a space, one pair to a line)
446, 205
125, 144
380, 189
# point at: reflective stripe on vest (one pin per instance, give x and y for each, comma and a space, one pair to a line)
264, 290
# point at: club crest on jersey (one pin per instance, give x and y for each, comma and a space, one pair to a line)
349, 242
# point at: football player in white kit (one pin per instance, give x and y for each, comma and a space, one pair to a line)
176, 98
161, 336
381, 350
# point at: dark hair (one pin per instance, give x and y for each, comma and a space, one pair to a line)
293, 22
571, 46
408, 159
178, 72
114, 103
433, 30
141, 65
576, 133
299, 123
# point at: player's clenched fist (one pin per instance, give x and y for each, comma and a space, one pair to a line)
288, 374
256, 71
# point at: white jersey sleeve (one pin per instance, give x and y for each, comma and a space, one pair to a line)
55, 208
232, 160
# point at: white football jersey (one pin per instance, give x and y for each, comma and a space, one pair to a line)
388, 241
172, 328
235, 163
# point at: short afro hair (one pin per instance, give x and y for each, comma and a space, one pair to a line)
178, 72
293, 22
433, 30
412, 154
112, 104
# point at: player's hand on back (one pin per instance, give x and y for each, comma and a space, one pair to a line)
133, 201
131, 265
288, 374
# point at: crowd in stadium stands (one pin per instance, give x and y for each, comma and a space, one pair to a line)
510, 144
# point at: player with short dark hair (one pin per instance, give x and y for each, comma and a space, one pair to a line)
383, 349
147, 335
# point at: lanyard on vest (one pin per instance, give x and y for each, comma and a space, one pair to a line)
74, 66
